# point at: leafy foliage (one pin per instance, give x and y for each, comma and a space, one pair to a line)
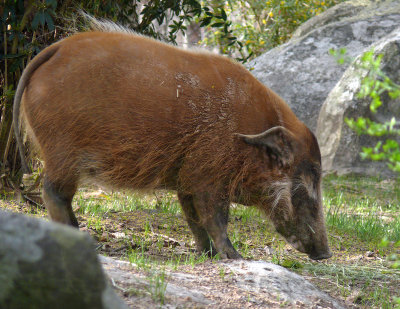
257, 26
374, 85
26, 26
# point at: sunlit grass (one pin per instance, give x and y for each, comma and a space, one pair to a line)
103, 202
368, 208
359, 281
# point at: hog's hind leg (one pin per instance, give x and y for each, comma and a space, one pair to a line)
57, 199
203, 241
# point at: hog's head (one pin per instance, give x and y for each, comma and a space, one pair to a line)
291, 194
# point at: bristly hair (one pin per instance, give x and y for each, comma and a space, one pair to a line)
278, 195
103, 25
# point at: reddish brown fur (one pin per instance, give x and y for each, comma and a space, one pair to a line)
132, 112
137, 132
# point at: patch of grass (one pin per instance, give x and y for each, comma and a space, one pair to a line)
150, 231
140, 258
360, 213
245, 213
367, 285
363, 192
167, 202
368, 227
158, 286
365, 207
95, 223
100, 202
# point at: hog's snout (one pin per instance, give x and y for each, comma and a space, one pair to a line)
321, 256
313, 252
319, 253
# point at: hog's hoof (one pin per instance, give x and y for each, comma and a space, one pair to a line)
74, 223
235, 256
232, 254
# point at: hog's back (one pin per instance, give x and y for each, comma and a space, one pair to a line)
132, 111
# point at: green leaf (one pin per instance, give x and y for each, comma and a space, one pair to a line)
375, 104
42, 18
395, 93
205, 22
364, 155
361, 123
49, 21
218, 24
35, 21
223, 14
367, 57
390, 145
377, 156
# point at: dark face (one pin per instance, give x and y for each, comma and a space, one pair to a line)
303, 225
293, 196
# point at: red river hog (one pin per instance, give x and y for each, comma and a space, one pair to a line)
129, 112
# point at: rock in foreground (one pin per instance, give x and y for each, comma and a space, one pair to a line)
47, 265
223, 284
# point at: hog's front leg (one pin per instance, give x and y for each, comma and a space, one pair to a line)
213, 214
201, 237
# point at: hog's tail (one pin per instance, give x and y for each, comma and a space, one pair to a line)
41, 58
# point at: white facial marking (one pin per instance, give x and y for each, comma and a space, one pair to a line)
280, 192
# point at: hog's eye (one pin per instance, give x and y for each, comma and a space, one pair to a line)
315, 172
305, 187
306, 181
304, 200
299, 189
300, 193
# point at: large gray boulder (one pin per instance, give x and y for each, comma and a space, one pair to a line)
222, 284
49, 265
303, 72
340, 146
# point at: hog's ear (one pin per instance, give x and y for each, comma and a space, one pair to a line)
278, 142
